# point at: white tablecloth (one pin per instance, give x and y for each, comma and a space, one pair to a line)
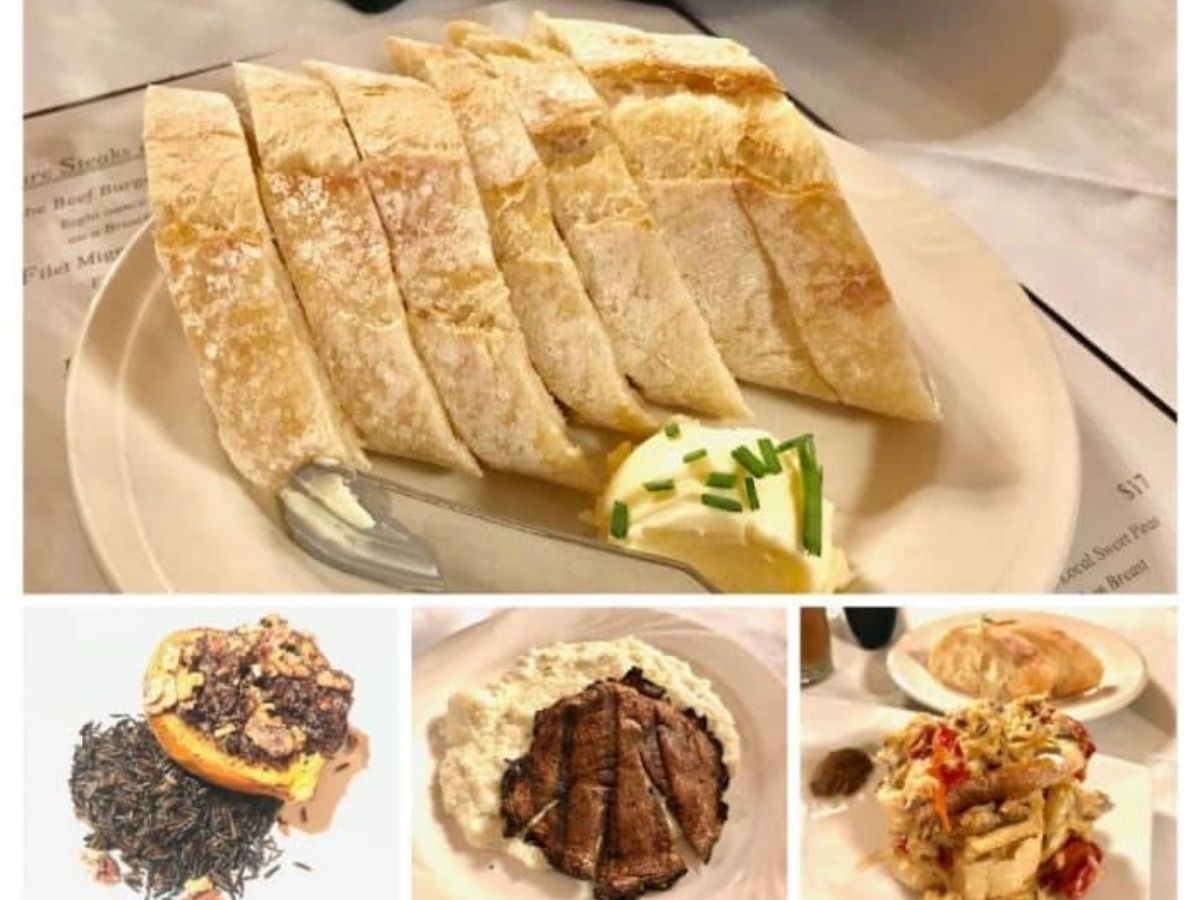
1144, 732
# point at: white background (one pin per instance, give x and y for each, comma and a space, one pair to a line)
85, 663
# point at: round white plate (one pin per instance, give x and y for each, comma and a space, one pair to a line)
1124, 669
843, 838
750, 860
985, 501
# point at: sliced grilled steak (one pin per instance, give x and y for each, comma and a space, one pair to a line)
639, 853
685, 762
696, 777
590, 792
591, 773
642, 706
535, 780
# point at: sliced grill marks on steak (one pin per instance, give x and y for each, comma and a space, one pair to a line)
696, 777
590, 792
643, 708
591, 773
639, 852
534, 781
684, 760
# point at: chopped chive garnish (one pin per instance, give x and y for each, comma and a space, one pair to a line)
695, 455
766, 448
790, 443
749, 461
662, 484
813, 477
672, 430
721, 479
752, 492
716, 502
619, 524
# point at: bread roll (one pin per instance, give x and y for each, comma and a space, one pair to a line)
1010, 659
661, 339
567, 341
337, 253
271, 399
1079, 669
463, 323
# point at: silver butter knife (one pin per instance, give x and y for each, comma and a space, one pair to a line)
413, 541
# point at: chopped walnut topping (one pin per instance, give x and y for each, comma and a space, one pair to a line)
270, 734
263, 692
336, 680
159, 694
186, 684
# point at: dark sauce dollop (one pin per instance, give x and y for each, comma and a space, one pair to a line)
842, 773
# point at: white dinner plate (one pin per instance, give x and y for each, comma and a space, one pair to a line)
985, 501
750, 859
840, 837
1124, 668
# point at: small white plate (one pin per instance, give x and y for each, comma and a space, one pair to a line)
841, 836
1124, 669
750, 860
984, 501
